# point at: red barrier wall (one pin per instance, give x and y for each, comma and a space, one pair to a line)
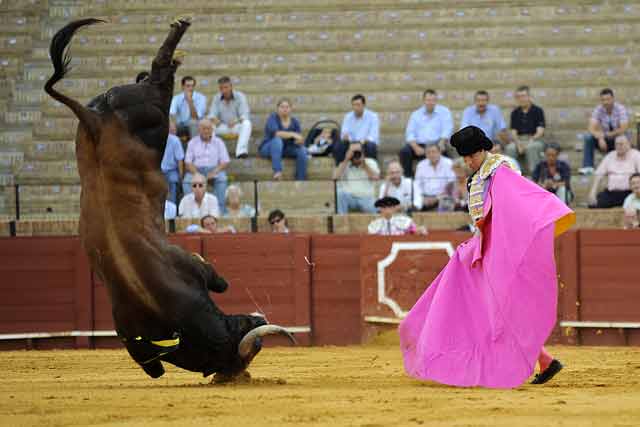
324, 283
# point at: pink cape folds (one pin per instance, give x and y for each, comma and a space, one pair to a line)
485, 318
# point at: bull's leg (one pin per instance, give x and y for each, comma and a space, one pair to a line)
164, 56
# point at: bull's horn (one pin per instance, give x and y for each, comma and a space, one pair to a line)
246, 344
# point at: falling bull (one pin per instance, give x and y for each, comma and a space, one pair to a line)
159, 292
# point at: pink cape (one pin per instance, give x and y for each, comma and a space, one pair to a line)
485, 318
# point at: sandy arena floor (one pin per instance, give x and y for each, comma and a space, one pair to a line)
353, 386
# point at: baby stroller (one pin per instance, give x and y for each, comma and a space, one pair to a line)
324, 147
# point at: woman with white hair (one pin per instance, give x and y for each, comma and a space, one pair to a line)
233, 201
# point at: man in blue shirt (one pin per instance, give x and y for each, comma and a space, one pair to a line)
360, 125
487, 117
188, 108
173, 162
428, 125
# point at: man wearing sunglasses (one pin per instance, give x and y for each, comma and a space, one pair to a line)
198, 203
278, 221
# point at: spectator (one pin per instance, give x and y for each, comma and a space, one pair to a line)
608, 121
457, 191
527, 129
392, 223
278, 222
198, 203
554, 175
322, 144
283, 138
631, 204
432, 176
396, 185
142, 76
209, 224
430, 124
357, 174
172, 164
360, 125
235, 209
229, 111
207, 155
188, 108
487, 117
170, 210
617, 166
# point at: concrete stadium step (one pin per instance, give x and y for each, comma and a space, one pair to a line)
388, 89
23, 5
14, 23
403, 58
212, 16
49, 150
319, 168
15, 44
38, 172
48, 199
250, 42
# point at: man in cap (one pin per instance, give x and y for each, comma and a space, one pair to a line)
391, 222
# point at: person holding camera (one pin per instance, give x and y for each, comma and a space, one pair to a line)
360, 125
357, 174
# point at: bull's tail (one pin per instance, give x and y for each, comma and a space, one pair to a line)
58, 51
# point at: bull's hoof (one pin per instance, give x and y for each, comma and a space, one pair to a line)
182, 20
241, 378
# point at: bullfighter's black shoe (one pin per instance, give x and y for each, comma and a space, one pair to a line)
554, 367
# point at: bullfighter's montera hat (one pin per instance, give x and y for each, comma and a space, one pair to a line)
387, 202
469, 140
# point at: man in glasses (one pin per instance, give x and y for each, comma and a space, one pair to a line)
198, 202
278, 221
208, 156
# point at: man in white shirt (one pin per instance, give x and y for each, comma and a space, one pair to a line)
357, 175
397, 186
430, 124
360, 125
229, 112
198, 203
188, 108
207, 155
432, 176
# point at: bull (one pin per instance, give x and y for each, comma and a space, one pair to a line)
159, 293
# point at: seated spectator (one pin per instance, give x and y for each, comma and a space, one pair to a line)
527, 130
554, 175
170, 210
396, 185
235, 207
617, 166
322, 143
229, 111
360, 125
456, 192
430, 124
499, 149
631, 204
283, 138
188, 108
209, 224
356, 175
392, 223
278, 221
608, 121
487, 117
432, 176
172, 164
198, 203
207, 155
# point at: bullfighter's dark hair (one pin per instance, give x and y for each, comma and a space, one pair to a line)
359, 97
60, 58
606, 91
186, 79
224, 79
429, 92
481, 92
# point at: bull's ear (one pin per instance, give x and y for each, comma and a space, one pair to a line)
218, 284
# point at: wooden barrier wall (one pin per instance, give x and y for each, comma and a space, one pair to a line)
326, 285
